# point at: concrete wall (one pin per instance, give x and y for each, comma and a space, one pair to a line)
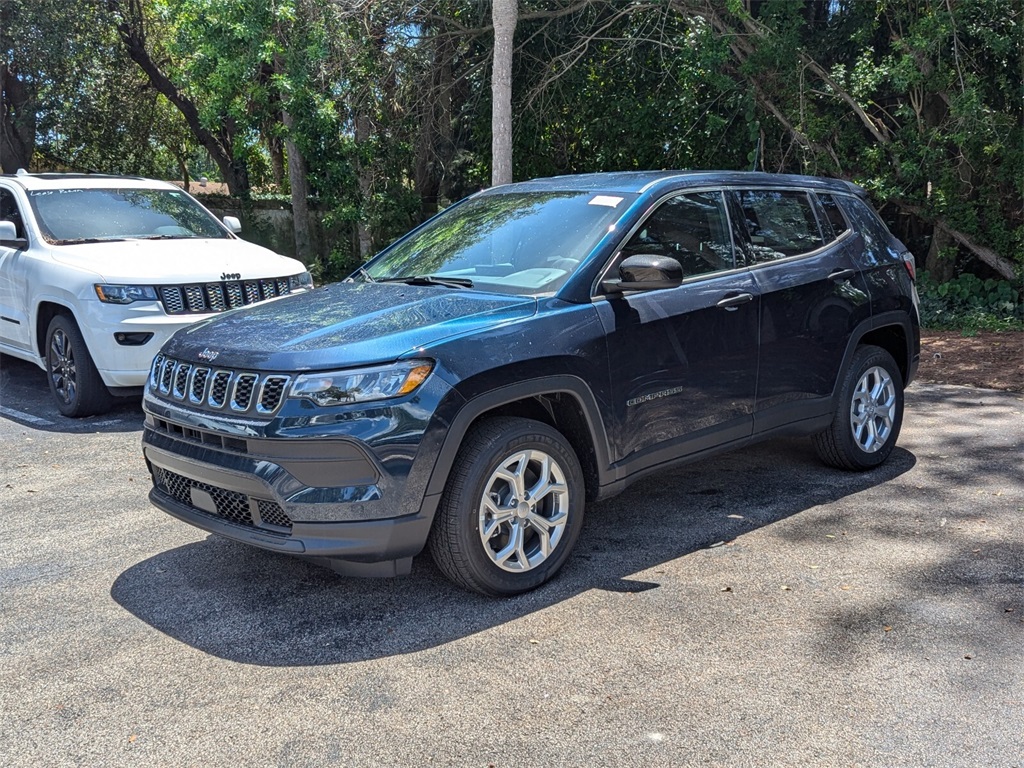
269, 223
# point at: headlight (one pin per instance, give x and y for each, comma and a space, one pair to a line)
362, 385
125, 294
303, 280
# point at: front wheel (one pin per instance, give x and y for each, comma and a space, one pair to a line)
75, 383
512, 509
869, 413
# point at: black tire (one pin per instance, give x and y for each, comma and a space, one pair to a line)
75, 383
869, 413
471, 558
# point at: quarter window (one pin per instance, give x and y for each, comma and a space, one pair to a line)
779, 224
692, 229
833, 215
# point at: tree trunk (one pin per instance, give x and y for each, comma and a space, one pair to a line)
504, 14
17, 122
183, 169
940, 266
1003, 266
365, 172
299, 183
276, 161
434, 145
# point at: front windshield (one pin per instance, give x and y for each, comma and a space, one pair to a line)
525, 243
77, 215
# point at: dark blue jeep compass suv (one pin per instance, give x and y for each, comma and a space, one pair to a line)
532, 348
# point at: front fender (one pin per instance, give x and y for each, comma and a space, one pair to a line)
476, 407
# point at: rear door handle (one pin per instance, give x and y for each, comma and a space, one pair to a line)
732, 303
841, 274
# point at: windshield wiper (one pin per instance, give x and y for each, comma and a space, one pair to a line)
81, 240
447, 282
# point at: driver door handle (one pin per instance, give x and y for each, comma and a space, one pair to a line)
731, 303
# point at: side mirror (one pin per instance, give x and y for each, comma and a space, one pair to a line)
9, 236
645, 272
233, 224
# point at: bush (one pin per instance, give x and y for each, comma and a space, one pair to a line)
339, 264
969, 304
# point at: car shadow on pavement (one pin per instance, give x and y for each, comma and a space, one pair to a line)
255, 607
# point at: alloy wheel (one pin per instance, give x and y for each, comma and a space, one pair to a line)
873, 409
61, 358
524, 510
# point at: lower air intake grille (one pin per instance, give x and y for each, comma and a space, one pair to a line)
272, 514
230, 505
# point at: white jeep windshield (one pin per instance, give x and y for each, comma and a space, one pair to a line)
68, 216
525, 243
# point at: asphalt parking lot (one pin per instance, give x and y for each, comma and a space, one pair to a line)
757, 609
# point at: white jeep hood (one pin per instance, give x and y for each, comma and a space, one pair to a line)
167, 262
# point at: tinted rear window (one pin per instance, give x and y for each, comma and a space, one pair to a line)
833, 215
779, 224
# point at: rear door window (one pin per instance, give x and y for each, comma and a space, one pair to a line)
778, 223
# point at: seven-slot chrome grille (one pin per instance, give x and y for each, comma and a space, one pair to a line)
218, 389
199, 298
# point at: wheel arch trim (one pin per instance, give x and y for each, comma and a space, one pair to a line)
478, 406
46, 308
894, 319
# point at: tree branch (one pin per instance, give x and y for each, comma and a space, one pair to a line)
1000, 264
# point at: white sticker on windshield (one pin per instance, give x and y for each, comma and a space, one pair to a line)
605, 200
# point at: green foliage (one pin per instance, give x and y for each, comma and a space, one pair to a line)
970, 304
339, 264
89, 101
653, 95
388, 103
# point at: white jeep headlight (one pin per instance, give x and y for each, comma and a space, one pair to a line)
361, 385
125, 294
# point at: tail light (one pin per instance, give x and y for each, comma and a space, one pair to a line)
908, 262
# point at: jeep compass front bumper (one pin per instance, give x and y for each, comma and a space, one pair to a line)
332, 499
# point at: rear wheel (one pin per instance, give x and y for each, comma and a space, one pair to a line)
512, 510
74, 381
869, 414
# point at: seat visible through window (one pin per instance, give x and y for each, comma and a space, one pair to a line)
692, 229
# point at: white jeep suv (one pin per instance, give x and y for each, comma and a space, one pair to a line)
97, 272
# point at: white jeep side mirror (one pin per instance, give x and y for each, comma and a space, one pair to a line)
232, 223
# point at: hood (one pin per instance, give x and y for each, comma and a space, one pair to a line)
168, 262
343, 325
